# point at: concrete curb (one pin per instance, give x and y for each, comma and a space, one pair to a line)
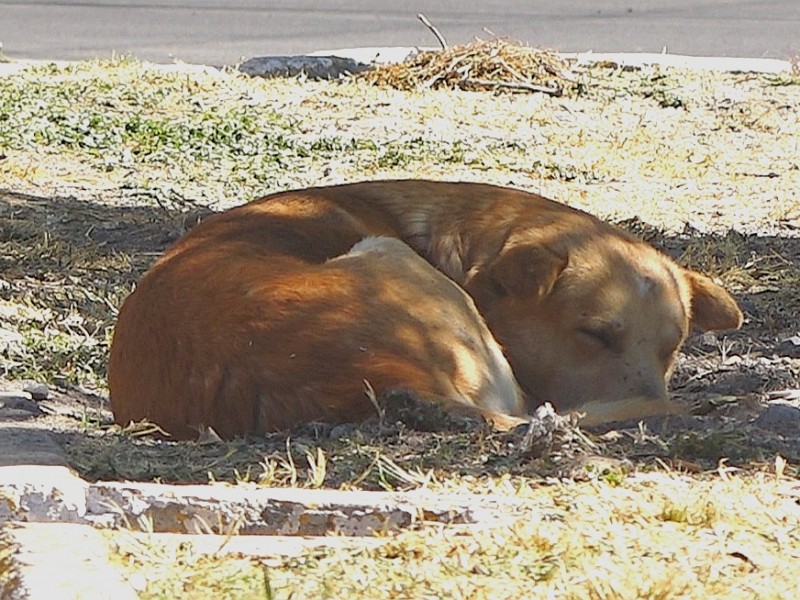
54, 494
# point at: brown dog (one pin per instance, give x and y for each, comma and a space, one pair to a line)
276, 312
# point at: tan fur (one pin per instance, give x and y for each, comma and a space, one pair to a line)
267, 316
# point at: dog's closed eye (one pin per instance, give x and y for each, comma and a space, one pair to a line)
607, 335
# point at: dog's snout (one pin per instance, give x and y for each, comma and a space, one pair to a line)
655, 391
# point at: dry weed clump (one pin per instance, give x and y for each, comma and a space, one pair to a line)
483, 65
9, 569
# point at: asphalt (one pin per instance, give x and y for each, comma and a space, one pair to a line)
224, 33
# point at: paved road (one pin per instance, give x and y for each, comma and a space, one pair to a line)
224, 32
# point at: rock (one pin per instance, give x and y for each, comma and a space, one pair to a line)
314, 67
339, 431
780, 418
789, 347
544, 431
18, 406
38, 391
315, 430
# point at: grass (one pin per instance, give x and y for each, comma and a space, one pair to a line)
103, 164
163, 572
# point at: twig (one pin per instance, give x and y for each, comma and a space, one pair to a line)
515, 85
511, 70
436, 32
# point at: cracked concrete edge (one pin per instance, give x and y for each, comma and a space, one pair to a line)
68, 534
40, 493
350, 58
37, 485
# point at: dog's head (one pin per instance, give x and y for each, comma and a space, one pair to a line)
592, 319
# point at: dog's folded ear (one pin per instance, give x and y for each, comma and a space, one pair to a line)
712, 307
526, 270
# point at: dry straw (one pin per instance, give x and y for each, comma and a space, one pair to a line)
483, 65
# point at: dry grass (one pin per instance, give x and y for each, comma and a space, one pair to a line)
496, 64
9, 575
165, 572
660, 535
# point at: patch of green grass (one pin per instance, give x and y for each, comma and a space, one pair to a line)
703, 514
95, 118
662, 89
653, 83
786, 79
124, 120
61, 352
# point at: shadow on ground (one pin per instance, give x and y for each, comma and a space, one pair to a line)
65, 265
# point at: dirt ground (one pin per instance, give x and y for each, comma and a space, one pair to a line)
742, 386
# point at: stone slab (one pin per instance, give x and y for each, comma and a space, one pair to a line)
24, 444
66, 561
41, 493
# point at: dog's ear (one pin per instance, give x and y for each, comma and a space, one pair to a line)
712, 307
526, 270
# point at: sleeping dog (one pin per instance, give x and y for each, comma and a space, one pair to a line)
490, 300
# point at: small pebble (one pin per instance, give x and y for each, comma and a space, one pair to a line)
789, 347
38, 391
339, 431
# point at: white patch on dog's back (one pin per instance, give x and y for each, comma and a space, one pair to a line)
377, 244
